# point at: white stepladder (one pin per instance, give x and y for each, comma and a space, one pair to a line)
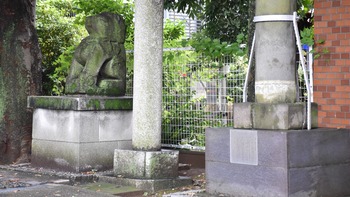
293, 18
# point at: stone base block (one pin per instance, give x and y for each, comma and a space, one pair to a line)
282, 163
146, 164
75, 157
273, 116
79, 133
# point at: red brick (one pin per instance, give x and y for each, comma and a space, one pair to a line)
336, 16
343, 23
326, 95
318, 18
345, 29
340, 62
335, 56
321, 88
335, 42
345, 108
341, 36
345, 16
345, 55
330, 101
344, 82
336, 30
322, 114
345, 69
326, 120
342, 89
340, 115
321, 24
342, 102
335, 3
344, 42
330, 88
331, 24
332, 37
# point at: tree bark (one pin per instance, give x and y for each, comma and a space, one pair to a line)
20, 76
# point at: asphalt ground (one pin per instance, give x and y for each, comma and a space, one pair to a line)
25, 181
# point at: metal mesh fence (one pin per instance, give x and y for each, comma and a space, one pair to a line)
199, 92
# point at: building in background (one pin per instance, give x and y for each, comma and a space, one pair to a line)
191, 25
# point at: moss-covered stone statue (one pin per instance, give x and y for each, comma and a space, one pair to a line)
98, 67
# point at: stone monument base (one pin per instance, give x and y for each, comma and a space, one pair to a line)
273, 115
242, 162
79, 133
148, 170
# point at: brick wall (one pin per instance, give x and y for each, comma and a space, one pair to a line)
332, 70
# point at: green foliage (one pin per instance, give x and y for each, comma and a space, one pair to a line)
191, 7
185, 115
62, 64
123, 7
226, 19
214, 48
173, 33
307, 36
57, 32
305, 7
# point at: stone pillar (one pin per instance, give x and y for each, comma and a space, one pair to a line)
147, 97
147, 167
276, 105
275, 80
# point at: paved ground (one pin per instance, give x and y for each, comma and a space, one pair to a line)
25, 181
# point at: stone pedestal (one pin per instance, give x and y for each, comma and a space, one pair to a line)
148, 170
242, 162
273, 115
79, 133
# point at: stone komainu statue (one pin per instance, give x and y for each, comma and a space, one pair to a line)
99, 64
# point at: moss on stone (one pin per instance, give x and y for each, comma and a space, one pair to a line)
94, 104
118, 104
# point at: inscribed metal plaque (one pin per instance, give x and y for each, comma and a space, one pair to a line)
244, 146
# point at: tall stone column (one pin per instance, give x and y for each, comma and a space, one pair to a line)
275, 80
147, 166
148, 75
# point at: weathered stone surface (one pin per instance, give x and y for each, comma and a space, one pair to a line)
82, 126
74, 157
242, 117
290, 163
146, 164
79, 133
275, 54
273, 115
99, 67
148, 64
80, 103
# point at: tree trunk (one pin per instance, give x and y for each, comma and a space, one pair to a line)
20, 76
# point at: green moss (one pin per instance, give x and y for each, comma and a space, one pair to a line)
94, 104
118, 104
50, 103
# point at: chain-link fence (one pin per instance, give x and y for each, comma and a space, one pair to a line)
199, 92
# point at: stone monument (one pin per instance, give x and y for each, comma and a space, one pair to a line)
146, 166
267, 153
99, 66
79, 132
